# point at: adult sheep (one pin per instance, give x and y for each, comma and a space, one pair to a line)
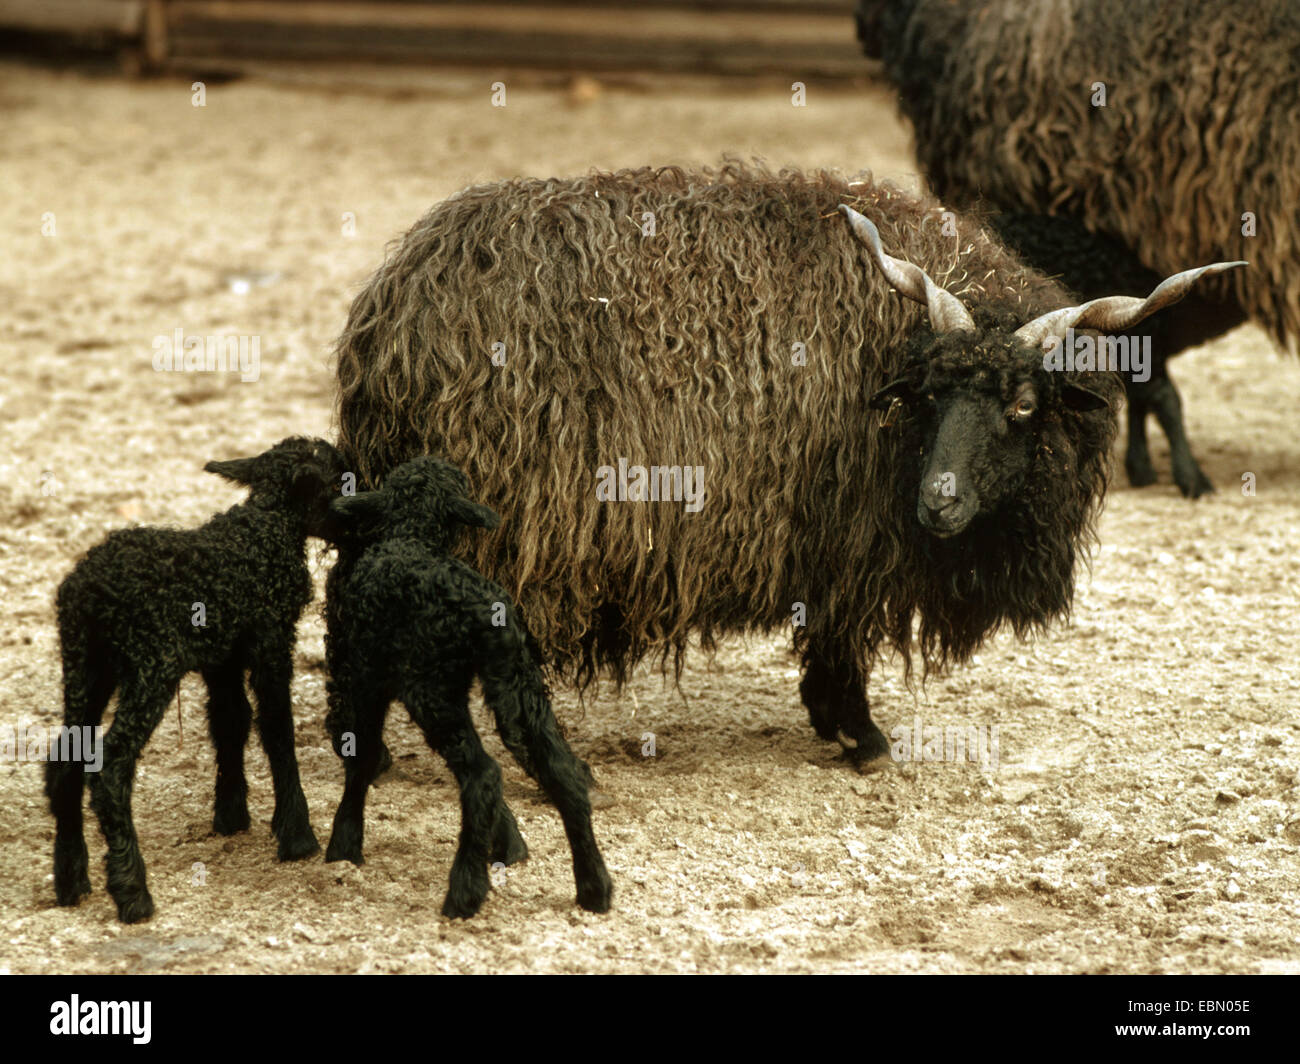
535, 331
1194, 146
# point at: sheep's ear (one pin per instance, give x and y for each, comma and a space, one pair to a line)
1077, 397
474, 515
355, 511
240, 470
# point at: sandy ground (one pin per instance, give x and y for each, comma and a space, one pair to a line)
1145, 812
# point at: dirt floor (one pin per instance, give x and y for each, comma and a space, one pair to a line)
1145, 812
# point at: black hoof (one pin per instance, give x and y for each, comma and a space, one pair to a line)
1194, 485
463, 902
341, 851
230, 821
865, 747
298, 847
597, 895
134, 908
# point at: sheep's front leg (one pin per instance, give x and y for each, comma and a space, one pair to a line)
290, 823
230, 719
834, 692
142, 704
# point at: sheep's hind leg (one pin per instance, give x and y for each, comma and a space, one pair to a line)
230, 719
508, 846
835, 696
563, 776
143, 702
289, 822
444, 718
87, 686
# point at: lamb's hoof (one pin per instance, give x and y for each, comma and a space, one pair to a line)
71, 893
600, 799
298, 847
341, 851
134, 908
462, 904
596, 896
1193, 485
867, 751
230, 821
510, 850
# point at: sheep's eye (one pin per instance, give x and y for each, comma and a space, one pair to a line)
1023, 409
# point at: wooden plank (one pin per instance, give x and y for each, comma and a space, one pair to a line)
121, 18
186, 16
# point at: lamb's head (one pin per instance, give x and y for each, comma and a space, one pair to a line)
425, 499
982, 406
298, 475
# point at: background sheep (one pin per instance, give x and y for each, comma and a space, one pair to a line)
127, 622
747, 334
1200, 125
409, 622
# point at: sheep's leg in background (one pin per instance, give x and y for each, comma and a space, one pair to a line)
272, 670
1168, 408
563, 776
1196, 321
230, 719
448, 728
360, 722
834, 692
87, 686
143, 701
1137, 455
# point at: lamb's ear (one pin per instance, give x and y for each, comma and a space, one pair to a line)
357, 511
473, 514
240, 470
1077, 397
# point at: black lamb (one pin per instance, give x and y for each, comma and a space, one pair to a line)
149, 605
408, 622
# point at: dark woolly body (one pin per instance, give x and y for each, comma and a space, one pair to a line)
124, 616
1201, 123
690, 363
410, 623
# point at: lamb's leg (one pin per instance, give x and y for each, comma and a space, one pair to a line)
518, 696
1168, 407
144, 699
443, 716
834, 692
87, 686
230, 718
508, 845
270, 677
363, 720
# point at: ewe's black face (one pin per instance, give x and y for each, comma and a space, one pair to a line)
973, 414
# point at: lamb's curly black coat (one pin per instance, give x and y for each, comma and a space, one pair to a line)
676, 348
127, 618
1200, 124
408, 622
